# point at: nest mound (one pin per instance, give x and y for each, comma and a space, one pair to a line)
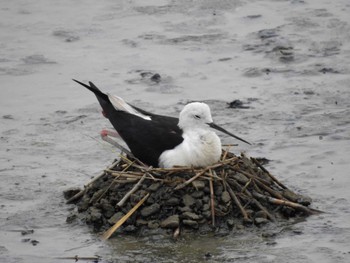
234, 192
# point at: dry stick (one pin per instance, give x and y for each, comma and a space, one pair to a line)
238, 203
258, 180
176, 233
287, 203
269, 190
134, 189
82, 192
225, 153
203, 171
114, 228
113, 182
212, 204
268, 173
256, 202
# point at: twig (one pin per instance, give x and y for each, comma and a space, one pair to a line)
212, 203
297, 206
238, 203
134, 189
268, 173
204, 170
114, 228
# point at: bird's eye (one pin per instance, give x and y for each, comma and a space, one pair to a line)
197, 116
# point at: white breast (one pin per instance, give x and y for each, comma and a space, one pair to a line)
199, 148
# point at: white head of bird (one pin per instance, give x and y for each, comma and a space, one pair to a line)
195, 115
201, 146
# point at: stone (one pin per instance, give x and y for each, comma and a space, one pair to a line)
107, 208
141, 222
95, 214
70, 192
154, 187
190, 215
199, 185
197, 194
172, 201
150, 210
185, 209
153, 224
115, 218
260, 221
230, 223
171, 222
188, 200
225, 197
190, 223
206, 207
206, 214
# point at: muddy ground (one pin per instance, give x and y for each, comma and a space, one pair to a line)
288, 61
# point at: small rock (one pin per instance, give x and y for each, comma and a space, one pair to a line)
153, 224
225, 197
188, 200
190, 215
172, 201
190, 223
230, 223
154, 187
95, 214
70, 219
171, 222
115, 218
130, 228
84, 204
260, 221
70, 192
141, 222
218, 189
206, 207
150, 210
197, 194
206, 214
107, 208
261, 214
97, 195
199, 185
185, 209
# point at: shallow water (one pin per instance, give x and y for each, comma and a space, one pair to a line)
289, 60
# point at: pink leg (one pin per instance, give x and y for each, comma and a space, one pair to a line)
111, 133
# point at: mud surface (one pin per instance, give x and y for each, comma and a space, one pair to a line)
288, 61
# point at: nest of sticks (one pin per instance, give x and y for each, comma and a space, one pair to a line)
237, 191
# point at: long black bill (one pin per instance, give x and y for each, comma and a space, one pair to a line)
213, 125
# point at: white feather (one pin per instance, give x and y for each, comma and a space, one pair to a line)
119, 104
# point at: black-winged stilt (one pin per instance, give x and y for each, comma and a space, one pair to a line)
164, 141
